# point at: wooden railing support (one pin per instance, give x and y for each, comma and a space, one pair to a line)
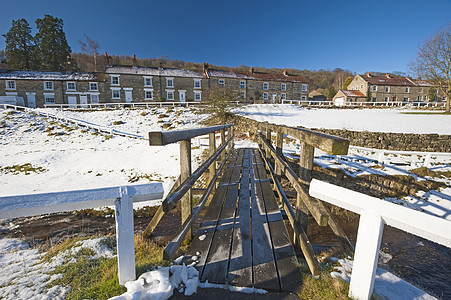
223, 140
185, 173
212, 150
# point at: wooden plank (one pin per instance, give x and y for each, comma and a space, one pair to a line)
264, 268
160, 138
286, 262
240, 267
328, 143
204, 235
215, 270
185, 173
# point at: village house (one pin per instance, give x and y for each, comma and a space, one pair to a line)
36, 88
388, 88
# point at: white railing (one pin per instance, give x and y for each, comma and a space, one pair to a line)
123, 104
374, 214
369, 104
383, 152
81, 123
121, 197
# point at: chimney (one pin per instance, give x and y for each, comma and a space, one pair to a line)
134, 64
3, 65
285, 72
205, 67
387, 75
252, 70
108, 60
368, 74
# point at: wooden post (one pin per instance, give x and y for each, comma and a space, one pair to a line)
185, 173
212, 150
223, 140
279, 152
125, 237
268, 137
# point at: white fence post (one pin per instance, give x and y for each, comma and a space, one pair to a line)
125, 237
366, 255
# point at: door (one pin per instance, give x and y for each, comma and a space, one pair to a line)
128, 96
274, 97
84, 100
182, 96
340, 101
31, 99
72, 101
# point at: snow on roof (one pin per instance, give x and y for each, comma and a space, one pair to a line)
153, 71
351, 93
227, 74
42, 75
387, 80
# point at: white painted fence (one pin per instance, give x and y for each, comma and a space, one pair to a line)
121, 197
131, 104
374, 214
81, 123
368, 104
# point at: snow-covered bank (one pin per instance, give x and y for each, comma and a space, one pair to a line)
376, 120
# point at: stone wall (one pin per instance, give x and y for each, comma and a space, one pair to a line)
377, 140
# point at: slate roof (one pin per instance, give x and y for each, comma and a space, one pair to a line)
153, 71
279, 77
384, 80
41, 75
227, 74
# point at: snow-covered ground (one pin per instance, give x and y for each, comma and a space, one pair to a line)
375, 120
60, 157
74, 158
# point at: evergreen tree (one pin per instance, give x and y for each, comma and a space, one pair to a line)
52, 47
20, 46
331, 93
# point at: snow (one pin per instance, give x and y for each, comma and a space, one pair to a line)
75, 158
154, 72
375, 120
386, 284
25, 275
42, 75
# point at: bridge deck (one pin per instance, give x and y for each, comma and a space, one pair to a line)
242, 240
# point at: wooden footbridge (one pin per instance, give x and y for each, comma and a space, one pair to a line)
242, 239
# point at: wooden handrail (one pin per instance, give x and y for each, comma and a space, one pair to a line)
328, 143
161, 138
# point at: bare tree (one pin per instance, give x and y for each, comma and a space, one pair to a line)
433, 62
90, 47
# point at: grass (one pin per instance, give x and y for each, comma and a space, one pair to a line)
97, 278
423, 171
26, 168
324, 287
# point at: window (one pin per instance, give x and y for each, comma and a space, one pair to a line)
49, 98
93, 86
386, 99
48, 85
197, 96
170, 83
114, 80
374, 99
283, 96
197, 83
116, 94
387, 89
303, 98
284, 86
170, 95
265, 85
71, 86
407, 89
10, 85
243, 94
406, 99
148, 94
242, 84
374, 88
147, 81
94, 98
221, 82
304, 88
265, 95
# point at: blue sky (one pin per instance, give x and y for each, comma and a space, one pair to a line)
318, 34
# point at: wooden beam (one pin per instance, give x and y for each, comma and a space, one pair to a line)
328, 143
212, 150
306, 161
161, 138
185, 173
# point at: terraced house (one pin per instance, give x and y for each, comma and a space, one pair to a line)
133, 84
388, 88
36, 88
